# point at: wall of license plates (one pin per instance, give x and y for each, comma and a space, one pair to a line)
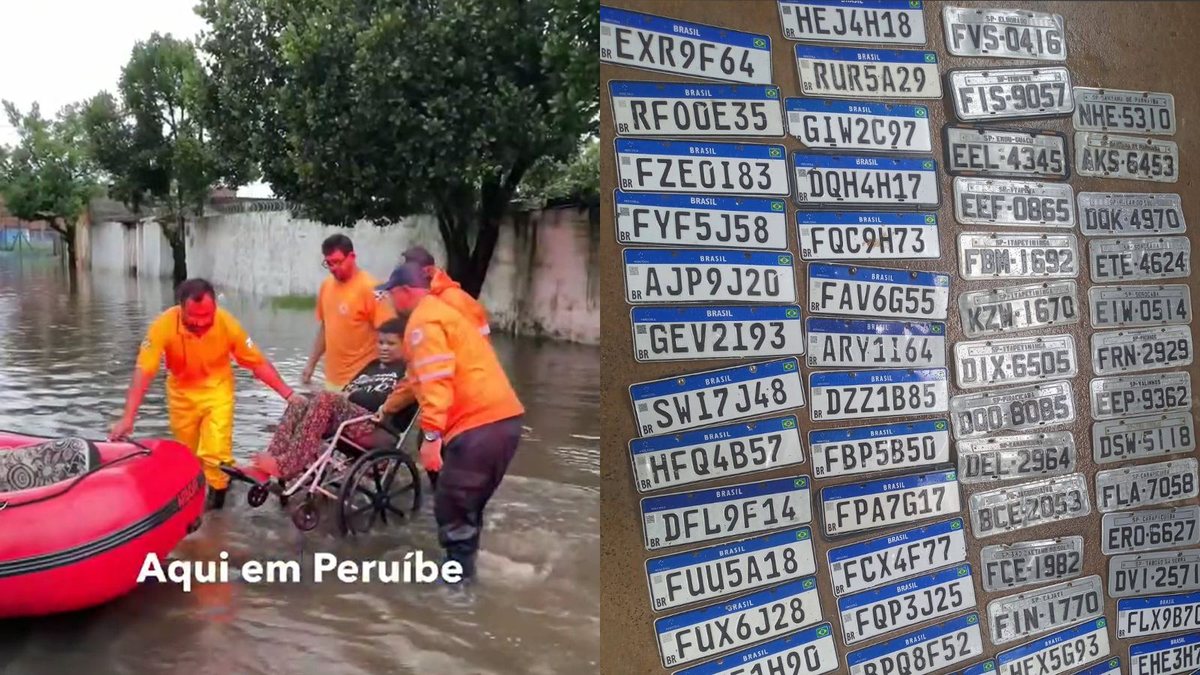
898, 352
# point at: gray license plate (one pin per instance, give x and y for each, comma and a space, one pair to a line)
1004, 33
1140, 349
1150, 436
1032, 406
1010, 93
1011, 153
1138, 259
1014, 203
1150, 529
1128, 157
1017, 308
1130, 214
1045, 256
1114, 397
1146, 485
1124, 111
1148, 573
1046, 609
1022, 456
1029, 505
1021, 360
1136, 306
1025, 563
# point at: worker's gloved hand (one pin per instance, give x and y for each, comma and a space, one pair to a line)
431, 455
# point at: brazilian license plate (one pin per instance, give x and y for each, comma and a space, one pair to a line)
847, 72
925, 651
826, 235
1035, 612
1011, 309
862, 180
1150, 529
1130, 214
648, 165
987, 363
738, 510
1138, 259
1136, 306
1014, 203
672, 460
695, 275
886, 22
1128, 157
716, 332
889, 502
726, 395
875, 562
1138, 349
812, 651
1114, 397
852, 395
882, 447
1028, 407
1157, 615
1133, 438
682, 110
972, 151
1004, 33
1026, 563
870, 614
701, 221
1166, 657
851, 290
1010, 93
1059, 652
1146, 485
708, 631
1029, 505
1044, 256
1124, 111
668, 45
1019, 456
849, 343
1138, 574
859, 125
721, 570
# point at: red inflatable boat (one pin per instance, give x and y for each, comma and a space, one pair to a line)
78, 517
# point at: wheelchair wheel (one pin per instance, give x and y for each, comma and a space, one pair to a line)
306, 516
257, 496
383, 485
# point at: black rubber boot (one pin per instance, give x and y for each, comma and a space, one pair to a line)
215, 500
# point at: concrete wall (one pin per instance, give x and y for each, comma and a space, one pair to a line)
140, 250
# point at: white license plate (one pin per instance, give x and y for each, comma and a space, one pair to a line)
673, 460
708, 631
1130, 214
827, 235
716, 332
1014, 203
1059, 652
1166, 657
1004, 34
1138, 349
1128, 157
1012, 153
646, 165
701, 221
987, 363
1124, 111
846, 72
726, 395
812, 651
666, 45
1009, 93
859, 125
1021, 456
1035, 612
889, 502
697, 275
1150, 529
866, 394
1026, 563
846, 290
737, 510
1138, 259
717, 571
1135, 306
860, 180
1018, 308
1114, 397
882, 447
666, 109
1156, 615
849, 343
928, 650
870, 614
1029, 505
870, 564
991, 256
1023, 408
1146, 485
1137, 574
1132, 438
888, 22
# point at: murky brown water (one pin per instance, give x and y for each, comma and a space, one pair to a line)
65, 360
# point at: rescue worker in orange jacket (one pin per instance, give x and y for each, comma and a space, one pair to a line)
449, 290
198, 339
470, 416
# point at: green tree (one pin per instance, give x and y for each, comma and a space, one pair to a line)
550, 182
48, 174
385, 109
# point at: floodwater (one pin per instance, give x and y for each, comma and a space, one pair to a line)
65, 361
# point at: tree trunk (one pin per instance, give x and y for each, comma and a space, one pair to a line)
66, 232
176, 236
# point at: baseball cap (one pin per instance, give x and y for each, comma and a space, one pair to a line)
407, 274
419, 255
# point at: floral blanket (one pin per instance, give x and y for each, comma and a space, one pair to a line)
46, 463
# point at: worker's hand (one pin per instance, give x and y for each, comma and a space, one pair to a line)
296, 398
121, 430
307, 375
431, 455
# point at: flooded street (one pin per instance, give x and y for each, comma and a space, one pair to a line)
65, 362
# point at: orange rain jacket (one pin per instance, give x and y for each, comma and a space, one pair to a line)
451, 292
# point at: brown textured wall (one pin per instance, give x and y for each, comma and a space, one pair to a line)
1151, 46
